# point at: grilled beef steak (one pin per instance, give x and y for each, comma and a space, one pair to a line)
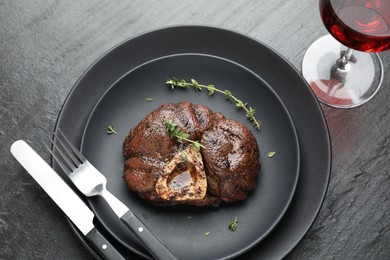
166, 172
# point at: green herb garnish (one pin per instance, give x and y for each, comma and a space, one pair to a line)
145, 215
233, 225
249, 111
184, 156
149, 99
271, 154
175, 132
207, 233
110, 130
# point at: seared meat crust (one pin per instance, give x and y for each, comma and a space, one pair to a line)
230, 156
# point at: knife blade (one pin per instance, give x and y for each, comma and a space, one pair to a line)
64, 197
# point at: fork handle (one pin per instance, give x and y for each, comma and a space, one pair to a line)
154, 245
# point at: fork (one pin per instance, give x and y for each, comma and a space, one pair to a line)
91, 182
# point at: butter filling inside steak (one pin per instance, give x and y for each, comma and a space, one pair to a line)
166, 172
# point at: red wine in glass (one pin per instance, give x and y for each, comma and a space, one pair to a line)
362, 25
343, 68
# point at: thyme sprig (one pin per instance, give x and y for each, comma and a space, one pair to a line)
176, 132
249, 111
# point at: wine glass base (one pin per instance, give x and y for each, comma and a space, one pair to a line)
362, 80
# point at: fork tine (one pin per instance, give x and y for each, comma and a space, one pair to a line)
68, 151
74, 149
62, 156
59, 161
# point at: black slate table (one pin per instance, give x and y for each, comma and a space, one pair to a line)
46, 45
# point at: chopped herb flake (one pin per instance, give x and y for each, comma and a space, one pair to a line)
145, 216
110, 130
207, 233
233, 224
149, 99
271, 154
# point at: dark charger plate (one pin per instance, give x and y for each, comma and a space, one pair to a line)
272, 74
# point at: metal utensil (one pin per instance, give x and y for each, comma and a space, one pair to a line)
63, 196
91, 182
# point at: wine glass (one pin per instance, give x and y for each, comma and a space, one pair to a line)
346, 77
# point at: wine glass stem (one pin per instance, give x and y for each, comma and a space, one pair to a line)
346, 57
340, 69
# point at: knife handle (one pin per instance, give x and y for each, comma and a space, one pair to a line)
154, 245
101, 244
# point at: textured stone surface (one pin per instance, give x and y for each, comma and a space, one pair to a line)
45, 45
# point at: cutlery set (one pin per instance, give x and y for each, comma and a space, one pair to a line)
91, 183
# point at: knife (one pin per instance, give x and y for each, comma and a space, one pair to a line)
64, 197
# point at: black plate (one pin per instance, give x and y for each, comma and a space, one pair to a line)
302, 105
124, 106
